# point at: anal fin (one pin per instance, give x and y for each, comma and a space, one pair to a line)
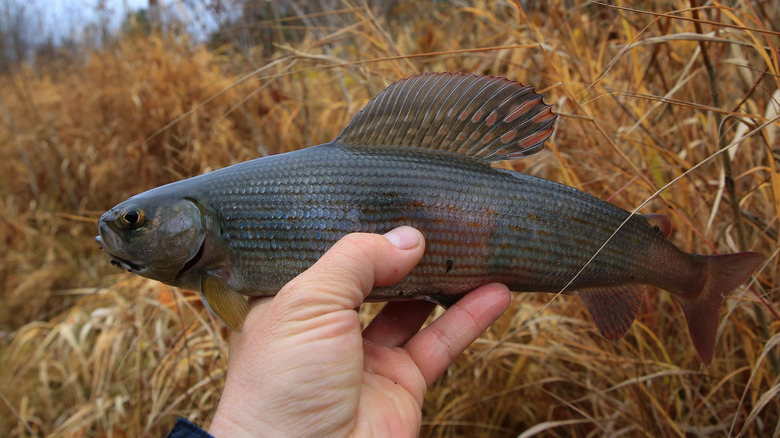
224, 302
613, 308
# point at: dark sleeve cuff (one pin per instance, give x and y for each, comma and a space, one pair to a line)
186, 429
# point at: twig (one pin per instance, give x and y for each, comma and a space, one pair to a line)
16, 414
728, 173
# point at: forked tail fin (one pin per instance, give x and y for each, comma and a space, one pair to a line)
723, 273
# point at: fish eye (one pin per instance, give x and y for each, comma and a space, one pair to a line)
132, 217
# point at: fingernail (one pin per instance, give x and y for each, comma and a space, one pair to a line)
403, 237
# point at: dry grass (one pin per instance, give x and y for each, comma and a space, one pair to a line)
645, 96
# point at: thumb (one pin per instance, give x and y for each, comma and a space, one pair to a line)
346, 273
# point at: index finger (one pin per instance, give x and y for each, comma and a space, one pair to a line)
437, 346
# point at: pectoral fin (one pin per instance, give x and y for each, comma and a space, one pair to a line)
229, 306
613, 308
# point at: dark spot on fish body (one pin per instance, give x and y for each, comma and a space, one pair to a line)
450, 262
581, 220
582, 242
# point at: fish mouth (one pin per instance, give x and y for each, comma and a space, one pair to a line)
126, 264
118, 261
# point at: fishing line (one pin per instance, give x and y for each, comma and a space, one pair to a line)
653, 196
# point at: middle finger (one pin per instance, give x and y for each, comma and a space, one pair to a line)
397, 322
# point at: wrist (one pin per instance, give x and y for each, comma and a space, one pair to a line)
237, 424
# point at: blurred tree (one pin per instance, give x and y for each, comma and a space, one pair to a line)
137, 22
19, 33
246, 24
154, 13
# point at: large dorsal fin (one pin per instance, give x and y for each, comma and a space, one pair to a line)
484, 117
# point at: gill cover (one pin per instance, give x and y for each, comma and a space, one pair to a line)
154, 238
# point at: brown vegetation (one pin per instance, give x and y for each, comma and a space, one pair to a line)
646, 97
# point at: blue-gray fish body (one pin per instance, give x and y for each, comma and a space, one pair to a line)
419, 154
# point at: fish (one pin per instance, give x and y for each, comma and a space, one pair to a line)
420, 153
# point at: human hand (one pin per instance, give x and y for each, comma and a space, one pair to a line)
302, 367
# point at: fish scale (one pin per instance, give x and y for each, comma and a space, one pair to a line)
419, 154
439, 194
